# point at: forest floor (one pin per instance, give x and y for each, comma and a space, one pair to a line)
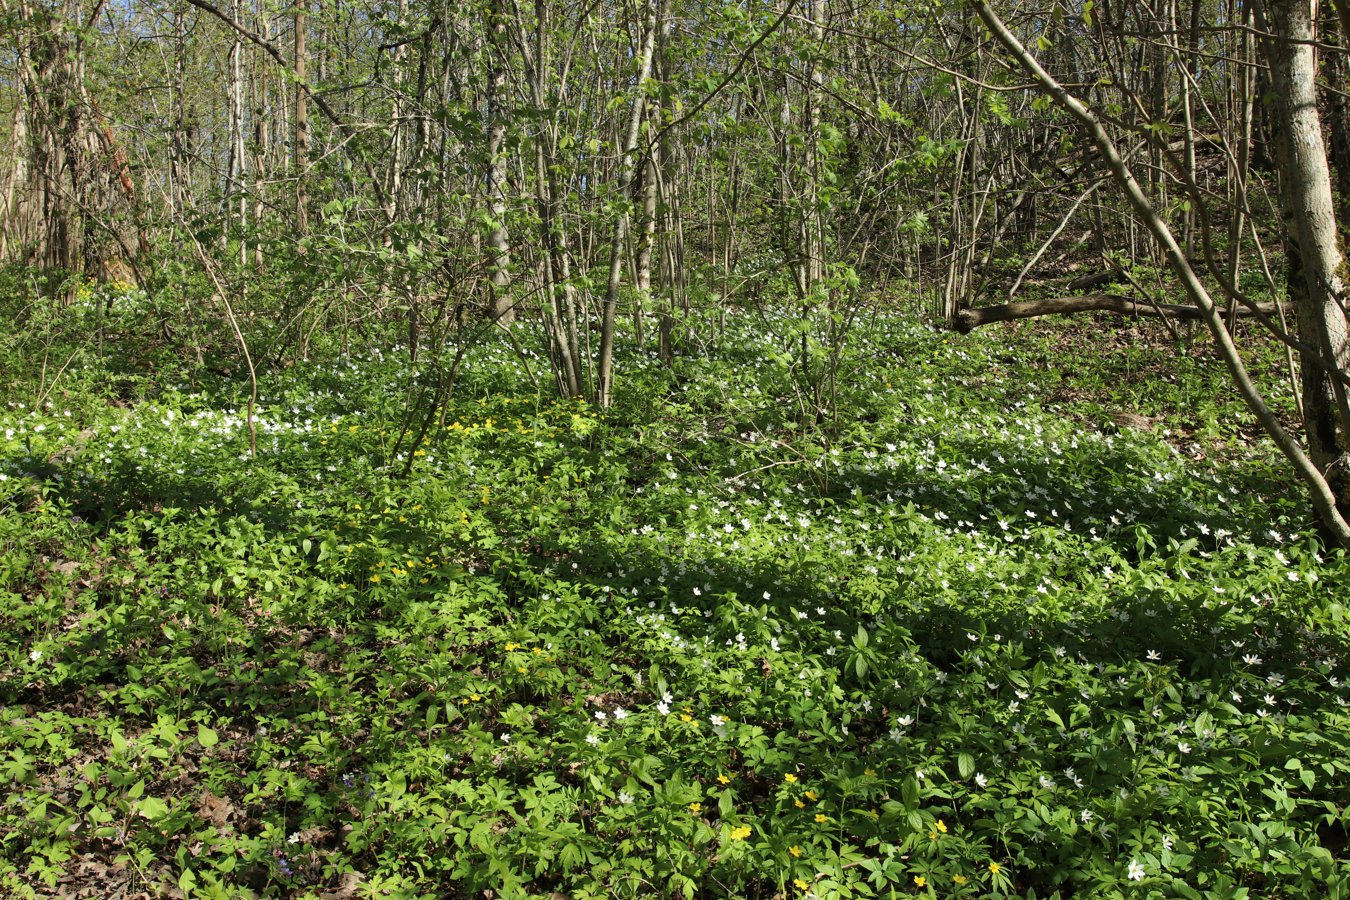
1029, 610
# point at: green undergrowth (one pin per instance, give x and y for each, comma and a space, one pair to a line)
964, 635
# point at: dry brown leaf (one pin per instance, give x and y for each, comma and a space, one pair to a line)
346, 888
215, 810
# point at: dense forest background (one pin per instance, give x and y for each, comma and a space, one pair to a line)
310, 168
635, 448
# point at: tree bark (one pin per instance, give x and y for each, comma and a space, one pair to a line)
1337, 73
301, 149
627, 174
813, 222
967, 320
499, 239
1310, 211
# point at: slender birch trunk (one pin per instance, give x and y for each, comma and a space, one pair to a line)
499, 239
604, 394
301, 147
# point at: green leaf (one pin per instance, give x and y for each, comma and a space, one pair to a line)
909, 792
206, 737
152, 808
1203, 723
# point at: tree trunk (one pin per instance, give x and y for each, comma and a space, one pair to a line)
48, 74
1315, 248
813, 222
627, 172
499, 239
301, 148
969, 319
234, 172
646, 242
1337, 73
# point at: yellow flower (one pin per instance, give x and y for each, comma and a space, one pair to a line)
740, 832
799, 804
685, 717
795, 851
696, 808
869, 772
520, 669
960, 879
790, 778
994, 868
942, 826
920, 881
812, 796
801, 885
374, 579
821, 818
722, 779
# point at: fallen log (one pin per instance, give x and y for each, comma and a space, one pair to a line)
1095, 280
967, 320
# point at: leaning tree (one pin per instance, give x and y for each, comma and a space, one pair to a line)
1287, 49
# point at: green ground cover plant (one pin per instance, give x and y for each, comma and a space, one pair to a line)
968, 637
